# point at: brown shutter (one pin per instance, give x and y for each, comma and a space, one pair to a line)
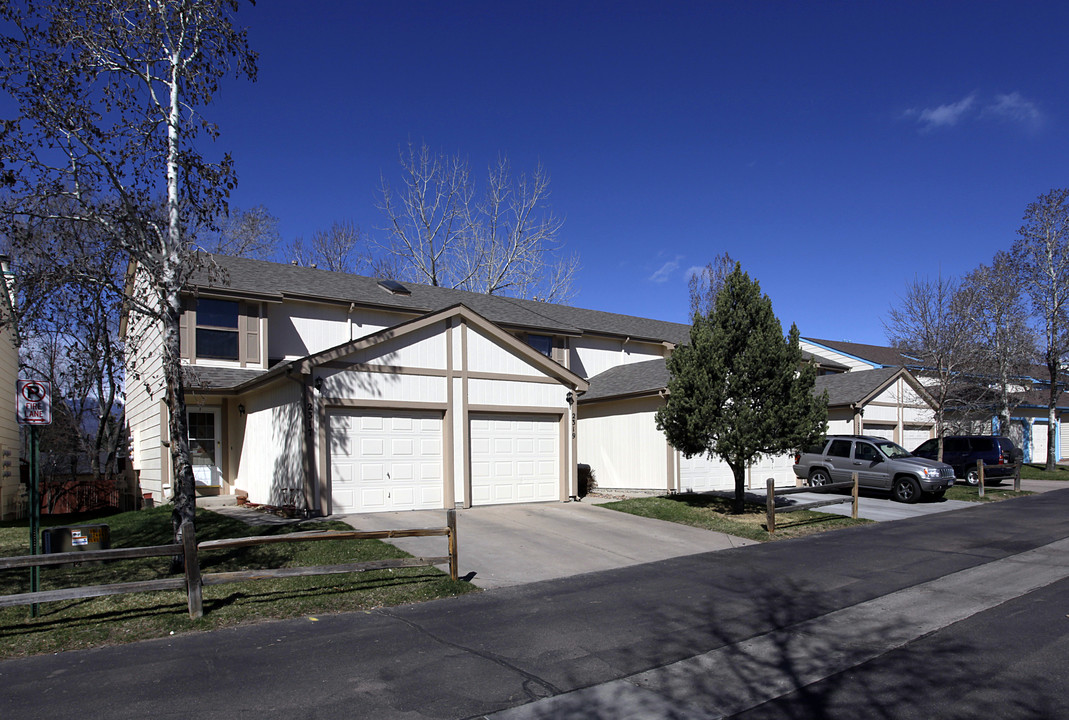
250, 333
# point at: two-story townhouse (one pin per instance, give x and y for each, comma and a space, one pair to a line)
361, 395
352, 394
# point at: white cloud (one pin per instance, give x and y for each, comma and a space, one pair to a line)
665, 271
943, 116
1013, 107
693, 270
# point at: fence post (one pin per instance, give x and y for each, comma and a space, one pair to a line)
451, 522
192, 564
980, 472
770, 506
1017, 477
853, 513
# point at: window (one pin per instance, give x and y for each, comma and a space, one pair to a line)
217, 329
839, 448
864, 451
541, 343
955, 444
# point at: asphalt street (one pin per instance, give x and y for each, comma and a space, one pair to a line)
960, 614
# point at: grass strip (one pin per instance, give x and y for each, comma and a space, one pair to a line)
70, 625
715, 513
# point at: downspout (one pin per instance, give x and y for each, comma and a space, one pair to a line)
310, 489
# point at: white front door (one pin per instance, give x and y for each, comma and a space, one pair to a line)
205, 446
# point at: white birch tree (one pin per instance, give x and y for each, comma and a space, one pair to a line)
1041, 253
929, 325
108, 93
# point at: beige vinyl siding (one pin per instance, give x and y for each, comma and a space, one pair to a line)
144, 405
9, 429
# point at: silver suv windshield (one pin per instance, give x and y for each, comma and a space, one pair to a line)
892, 450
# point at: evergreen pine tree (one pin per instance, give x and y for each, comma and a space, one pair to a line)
739, 390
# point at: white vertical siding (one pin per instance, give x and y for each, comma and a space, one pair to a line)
270, 458
297, 329
485, 355
515, 393
590, 356
622, 445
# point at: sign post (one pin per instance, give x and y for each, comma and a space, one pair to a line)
33, 406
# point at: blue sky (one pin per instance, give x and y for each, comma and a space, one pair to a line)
835, 149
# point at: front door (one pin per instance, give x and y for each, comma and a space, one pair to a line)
205, 447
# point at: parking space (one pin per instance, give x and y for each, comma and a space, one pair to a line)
882, 509
504, 545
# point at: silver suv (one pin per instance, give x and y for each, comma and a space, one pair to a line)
880, 464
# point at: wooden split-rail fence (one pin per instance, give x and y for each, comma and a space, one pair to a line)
773, 493
194, 581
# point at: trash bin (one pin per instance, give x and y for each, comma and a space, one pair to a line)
78, 538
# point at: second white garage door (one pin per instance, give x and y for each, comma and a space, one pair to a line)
383, 461
514, 459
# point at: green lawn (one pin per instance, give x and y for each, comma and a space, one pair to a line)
715, 513
991, 493
1036, 471
69, 625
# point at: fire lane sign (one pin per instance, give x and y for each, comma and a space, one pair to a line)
33, 402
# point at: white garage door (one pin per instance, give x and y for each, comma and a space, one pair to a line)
1039, 442
514, 459
383, 461
914, 435
699, 473
882, 431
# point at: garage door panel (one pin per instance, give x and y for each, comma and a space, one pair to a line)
383, 460
515, 459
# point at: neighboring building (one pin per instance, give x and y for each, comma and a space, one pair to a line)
355, 395
13, 498
1029, 420
618, 435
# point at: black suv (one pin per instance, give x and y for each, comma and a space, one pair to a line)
962, 451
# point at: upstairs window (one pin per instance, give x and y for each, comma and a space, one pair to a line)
541, 343
217, 329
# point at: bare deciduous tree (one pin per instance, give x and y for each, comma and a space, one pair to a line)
704, 285
251, 233
340, 248
929, 324
505, 243
1005, 342
1041, 252
107, 93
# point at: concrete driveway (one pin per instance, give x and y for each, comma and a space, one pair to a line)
504, 545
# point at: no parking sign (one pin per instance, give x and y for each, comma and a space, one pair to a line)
33, 402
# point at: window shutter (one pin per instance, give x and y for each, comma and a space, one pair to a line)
250, 336
184, 337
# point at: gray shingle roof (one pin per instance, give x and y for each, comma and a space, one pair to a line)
641, 378
205, 377
638, 378
879, 354
852, 387
259, 277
